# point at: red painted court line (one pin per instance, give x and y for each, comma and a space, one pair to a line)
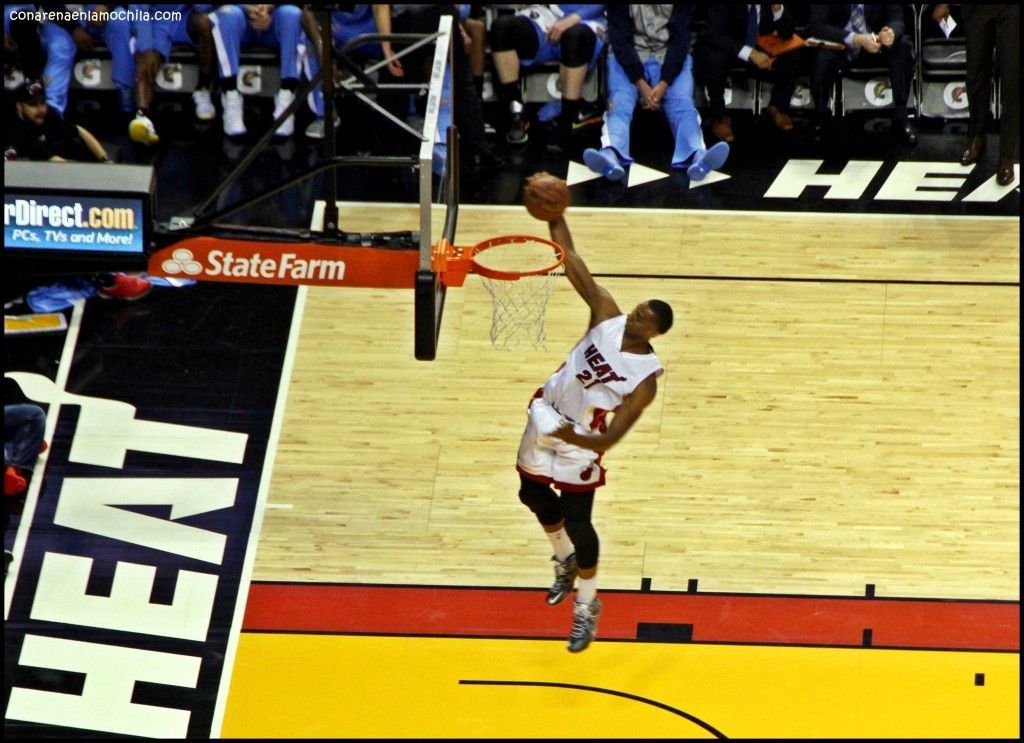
781, 620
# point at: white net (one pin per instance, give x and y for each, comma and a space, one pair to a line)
517, 320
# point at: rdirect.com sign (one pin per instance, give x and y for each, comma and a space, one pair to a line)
73, 223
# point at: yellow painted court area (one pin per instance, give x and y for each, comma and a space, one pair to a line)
336, 686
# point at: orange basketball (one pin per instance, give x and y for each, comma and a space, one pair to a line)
545, 196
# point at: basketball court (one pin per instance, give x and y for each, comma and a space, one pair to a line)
291, 510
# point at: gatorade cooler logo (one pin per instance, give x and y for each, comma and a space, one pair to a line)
250, 79
554, 85
878, 92
171, 77
954, 95
801, 97
89, 73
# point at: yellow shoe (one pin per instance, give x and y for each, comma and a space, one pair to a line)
141, 130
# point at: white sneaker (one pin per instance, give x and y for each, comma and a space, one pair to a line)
234, 123
141, 130
316, 129
204, 105
282, 100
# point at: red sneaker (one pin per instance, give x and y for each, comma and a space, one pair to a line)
125, 287
14, 484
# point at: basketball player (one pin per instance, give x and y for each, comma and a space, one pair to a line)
611, 370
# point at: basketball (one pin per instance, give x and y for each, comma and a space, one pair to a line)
545, 196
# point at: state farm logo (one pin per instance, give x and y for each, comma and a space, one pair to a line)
267, 267
89, 73
182, 261
171, 77
954, 95
878, 92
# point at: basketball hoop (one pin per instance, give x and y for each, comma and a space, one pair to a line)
518, 271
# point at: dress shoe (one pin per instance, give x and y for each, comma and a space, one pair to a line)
1004, 171
974, 151
781, 119
905, 131
721, 129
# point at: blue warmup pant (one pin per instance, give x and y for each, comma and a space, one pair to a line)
677, 105
117, 33
231, 31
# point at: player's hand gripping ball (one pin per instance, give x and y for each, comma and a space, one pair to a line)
545, 196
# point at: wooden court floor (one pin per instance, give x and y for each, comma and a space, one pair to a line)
858, 425
840, 409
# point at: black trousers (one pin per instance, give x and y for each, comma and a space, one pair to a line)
988, 29
827, 65
712, 70
467, 111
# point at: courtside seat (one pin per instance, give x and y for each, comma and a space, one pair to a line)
741, 89
259, 71
943, 69
869, 87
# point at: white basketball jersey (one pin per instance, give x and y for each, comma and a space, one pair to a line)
597, 375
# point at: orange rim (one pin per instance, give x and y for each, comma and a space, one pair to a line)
492, 273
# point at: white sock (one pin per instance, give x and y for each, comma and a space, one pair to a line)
561, 543
586, 590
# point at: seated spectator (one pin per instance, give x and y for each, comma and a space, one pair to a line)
572, 34
154, 40
730, 39
273, 26
873, 35
991, 30
46, 48
415, 67
37, 132
650, 64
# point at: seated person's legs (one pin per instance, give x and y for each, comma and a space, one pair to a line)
782, 76
825, 66
689, 151
286, 28
60, 60
618, 118
579, 49
514, 38
712, 70
229, 27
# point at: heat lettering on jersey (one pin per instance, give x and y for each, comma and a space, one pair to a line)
602, 371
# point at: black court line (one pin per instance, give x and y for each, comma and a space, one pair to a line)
612, 692
561, 639
807, 280
662, 591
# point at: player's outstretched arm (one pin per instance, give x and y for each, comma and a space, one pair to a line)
626, 415
602, 305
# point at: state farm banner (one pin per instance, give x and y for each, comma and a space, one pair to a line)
258, 262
